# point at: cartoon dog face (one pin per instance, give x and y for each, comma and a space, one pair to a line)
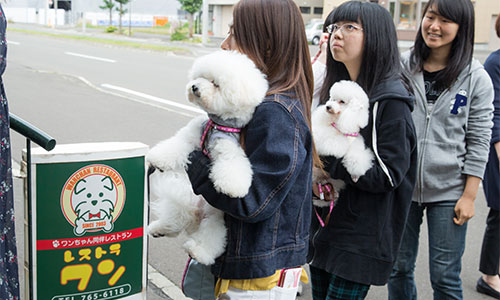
226, 84
348, 106
94, 200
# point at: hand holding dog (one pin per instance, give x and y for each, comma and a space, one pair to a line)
328, 193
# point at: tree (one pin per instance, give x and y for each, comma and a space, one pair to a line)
109, 5
191, 6
121, 11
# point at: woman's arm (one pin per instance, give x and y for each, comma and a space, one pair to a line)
479, 124
464, 209
277, 153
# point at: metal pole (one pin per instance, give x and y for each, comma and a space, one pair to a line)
204, 23
30, 233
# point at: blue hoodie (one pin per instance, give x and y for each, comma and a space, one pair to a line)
361, 241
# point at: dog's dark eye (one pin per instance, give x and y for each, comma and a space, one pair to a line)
215, 84
101, 194
89, 195
341, 101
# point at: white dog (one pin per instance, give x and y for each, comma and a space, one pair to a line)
336, 127
229, 87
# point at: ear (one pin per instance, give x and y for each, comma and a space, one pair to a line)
78, 186
348, 121
361, 111
107, 180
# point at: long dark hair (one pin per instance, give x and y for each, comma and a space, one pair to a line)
272, 34
462, 13
380, 59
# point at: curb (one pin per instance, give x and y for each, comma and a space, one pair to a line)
165, 285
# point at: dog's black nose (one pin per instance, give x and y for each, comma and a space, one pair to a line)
328, 108
194, 88
94, 202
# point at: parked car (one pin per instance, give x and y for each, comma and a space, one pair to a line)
314, 29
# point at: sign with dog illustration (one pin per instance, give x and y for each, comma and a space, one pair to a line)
88, 222
93, 198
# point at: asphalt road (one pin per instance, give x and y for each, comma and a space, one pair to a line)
85, 92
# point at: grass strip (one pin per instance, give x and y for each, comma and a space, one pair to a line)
104, 41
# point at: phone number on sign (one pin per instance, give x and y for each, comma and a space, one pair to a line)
110, 293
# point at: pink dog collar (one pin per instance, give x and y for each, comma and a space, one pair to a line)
345, 134
211, 124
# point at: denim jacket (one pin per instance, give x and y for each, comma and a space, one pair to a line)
268, 229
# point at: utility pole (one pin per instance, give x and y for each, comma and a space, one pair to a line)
204, 23
130, 18
46, 13
84, 22
55, 12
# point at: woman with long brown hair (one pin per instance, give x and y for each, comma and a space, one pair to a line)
268, 229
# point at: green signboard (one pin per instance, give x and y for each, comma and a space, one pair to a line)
89, 216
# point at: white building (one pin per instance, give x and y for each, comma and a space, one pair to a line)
143, 12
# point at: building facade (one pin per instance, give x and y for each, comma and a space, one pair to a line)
407, 15
220, 13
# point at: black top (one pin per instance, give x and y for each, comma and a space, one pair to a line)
361, 241
432, 90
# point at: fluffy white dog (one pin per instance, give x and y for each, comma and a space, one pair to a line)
336, 127
229, 87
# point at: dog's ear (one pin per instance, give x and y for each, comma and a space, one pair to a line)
107, 180
362, 112
78, 186
353, 117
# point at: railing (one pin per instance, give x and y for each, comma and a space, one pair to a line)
48, 143
31, 132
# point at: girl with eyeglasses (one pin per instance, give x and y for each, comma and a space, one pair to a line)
268, 229
359, 243
453, 118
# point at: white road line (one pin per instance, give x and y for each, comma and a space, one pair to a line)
91, 57
153, 98
13, 43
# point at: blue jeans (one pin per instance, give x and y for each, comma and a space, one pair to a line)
446, 247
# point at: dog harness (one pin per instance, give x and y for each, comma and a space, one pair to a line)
220, 132
355, 134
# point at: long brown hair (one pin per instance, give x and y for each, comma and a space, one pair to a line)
272, 34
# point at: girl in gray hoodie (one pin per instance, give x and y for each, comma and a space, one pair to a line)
453, 119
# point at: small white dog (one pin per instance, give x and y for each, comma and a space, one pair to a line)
336, 127
229, 87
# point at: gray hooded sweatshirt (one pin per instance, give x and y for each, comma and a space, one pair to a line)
453, 137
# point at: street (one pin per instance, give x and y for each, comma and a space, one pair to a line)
79, 92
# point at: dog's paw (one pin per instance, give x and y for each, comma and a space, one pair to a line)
231, 171
197, 252
157, 229
358, 161
167, 156
235, 188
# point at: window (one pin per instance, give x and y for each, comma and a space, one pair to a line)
318, 10
408, 18
305, 9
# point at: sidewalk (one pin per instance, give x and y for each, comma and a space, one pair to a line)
183, 47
